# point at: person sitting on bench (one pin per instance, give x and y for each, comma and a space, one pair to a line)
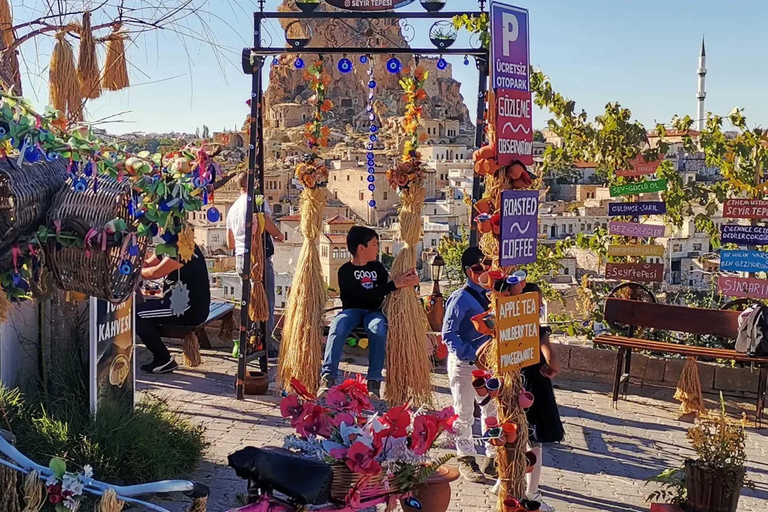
186, 300
363, 284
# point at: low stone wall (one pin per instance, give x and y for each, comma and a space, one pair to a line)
586, 363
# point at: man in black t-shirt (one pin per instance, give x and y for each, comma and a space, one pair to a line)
186, 300
363, 284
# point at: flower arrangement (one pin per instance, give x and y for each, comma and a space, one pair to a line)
314, 131
310, 173
413, 93
406, 174
344, 431
65, 490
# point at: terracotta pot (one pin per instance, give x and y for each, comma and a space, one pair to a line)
511, 504
495, 275
476, 374
491, 422
521, 276
530, 458
479, 385
515, 171
488, 151
256, 383
493, 386
496, 436
485, 280
484, 206
435, 495
510, 432
496, 224
525, 399
484, 223
484, 323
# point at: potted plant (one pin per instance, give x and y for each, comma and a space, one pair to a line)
433, 5
307, 5
711, 482
442, 35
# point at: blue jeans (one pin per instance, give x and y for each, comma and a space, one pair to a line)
375, 324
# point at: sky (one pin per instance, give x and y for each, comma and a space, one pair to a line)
642, 54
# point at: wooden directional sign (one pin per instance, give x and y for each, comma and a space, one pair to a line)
517, 331
637, 208
640, 167
368, 5
642, 187
638, 272
741, 287
743, 261
635, 229
744, 235
636, 250
745, 209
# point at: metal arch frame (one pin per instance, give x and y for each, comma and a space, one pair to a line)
253, 62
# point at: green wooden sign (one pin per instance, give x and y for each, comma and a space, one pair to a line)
638, 188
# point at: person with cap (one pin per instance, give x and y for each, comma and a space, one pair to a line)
463, 340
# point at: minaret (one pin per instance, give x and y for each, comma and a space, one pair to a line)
701, 93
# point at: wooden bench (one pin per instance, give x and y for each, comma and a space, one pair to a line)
218, 311
714, 322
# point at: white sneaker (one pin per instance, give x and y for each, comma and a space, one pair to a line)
545, 507
496, 487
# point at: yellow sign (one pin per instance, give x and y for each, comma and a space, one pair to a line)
517, 331
636, 250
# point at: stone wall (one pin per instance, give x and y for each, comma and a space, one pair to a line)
586, 363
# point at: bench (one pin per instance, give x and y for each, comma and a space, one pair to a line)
218, 311
637, 314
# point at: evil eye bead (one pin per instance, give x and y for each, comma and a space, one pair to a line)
441, 63
371, 116
369, 146
371, 187
394, 65
213, 214
126, 268
369, 108
16, 278
372, 203
32, 154
199, 182
298, 63
5, 130
88, 169
154, 229
164, 206
413, 502
345, 65
374, 138
371, 170
80, 185
371, 178
370, 156
372, 84
371, 162
363, 59
52, 156
169, 237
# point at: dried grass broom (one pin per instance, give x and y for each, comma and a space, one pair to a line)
88, 62
689, 389
191, 349
115, 75
34, 493
64, 86
301, 349
8, 38
109, 502
409, 369
258, 308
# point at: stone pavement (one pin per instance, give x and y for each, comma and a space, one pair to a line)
601, 466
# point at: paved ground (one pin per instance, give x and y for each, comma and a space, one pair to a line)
600, 467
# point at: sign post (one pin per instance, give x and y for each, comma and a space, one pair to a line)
519, 227
518, 331
510, 78
112, 346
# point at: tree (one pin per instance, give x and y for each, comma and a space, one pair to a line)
206, 132
197, 133
538, 136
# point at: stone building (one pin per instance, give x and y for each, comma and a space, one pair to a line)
348, 182
288, 115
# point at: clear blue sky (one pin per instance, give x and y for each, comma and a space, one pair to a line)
642, 54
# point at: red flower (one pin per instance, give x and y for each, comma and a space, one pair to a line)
357, 391
54, 494
301, 390
447, 417
425, 430
290, 407
339, 453
336, 399
314, 420
361, 459
345, 418
398, 419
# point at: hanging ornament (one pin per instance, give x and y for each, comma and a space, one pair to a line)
394, 66
372, 203
5, 130
442, 63
372, 84
370, 156
363, 59
213, 214
275, 62
179, 298
345, 65
371, 178
466, 60
298, 63
126, 267
80, 185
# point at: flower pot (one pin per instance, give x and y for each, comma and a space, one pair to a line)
496, 437
511, 504
484, 223
525, 399
435, 495
442, 43
530, 458
496, 224
495, 275
433, 5
483, 206
485, 280
521, 276
515, 171
307, 6
476, 374
530, 505
493, 386
484, 323
256, 383
479, 385
712, 489
491, 422
510, 432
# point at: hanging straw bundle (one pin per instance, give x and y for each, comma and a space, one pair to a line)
8, 38
9, 498
258, 309
88, 63
409, 370
34, 493
110, 503
115, 65
689, 389
64, 86
301, 349
199, 505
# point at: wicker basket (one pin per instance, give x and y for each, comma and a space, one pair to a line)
26, 194
344, 479
98, 275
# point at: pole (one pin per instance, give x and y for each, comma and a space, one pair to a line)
256, 115
477, 186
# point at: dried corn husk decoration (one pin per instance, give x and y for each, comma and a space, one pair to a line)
689, 389
199, 505
8, 38
110, 503
191, 349
64, 87
34, 493
409, 370
88, 62
9, 498
258, 308
115, 65
301, 349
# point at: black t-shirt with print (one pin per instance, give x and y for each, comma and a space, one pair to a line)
364, 287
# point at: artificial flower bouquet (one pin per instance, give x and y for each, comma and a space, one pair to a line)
406, 174
310, 173
388, 452
65, 489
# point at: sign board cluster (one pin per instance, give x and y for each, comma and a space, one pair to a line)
517, 324
747, 260
519, 227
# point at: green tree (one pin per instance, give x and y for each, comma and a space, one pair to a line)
538, 136
206, 133
451, 250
